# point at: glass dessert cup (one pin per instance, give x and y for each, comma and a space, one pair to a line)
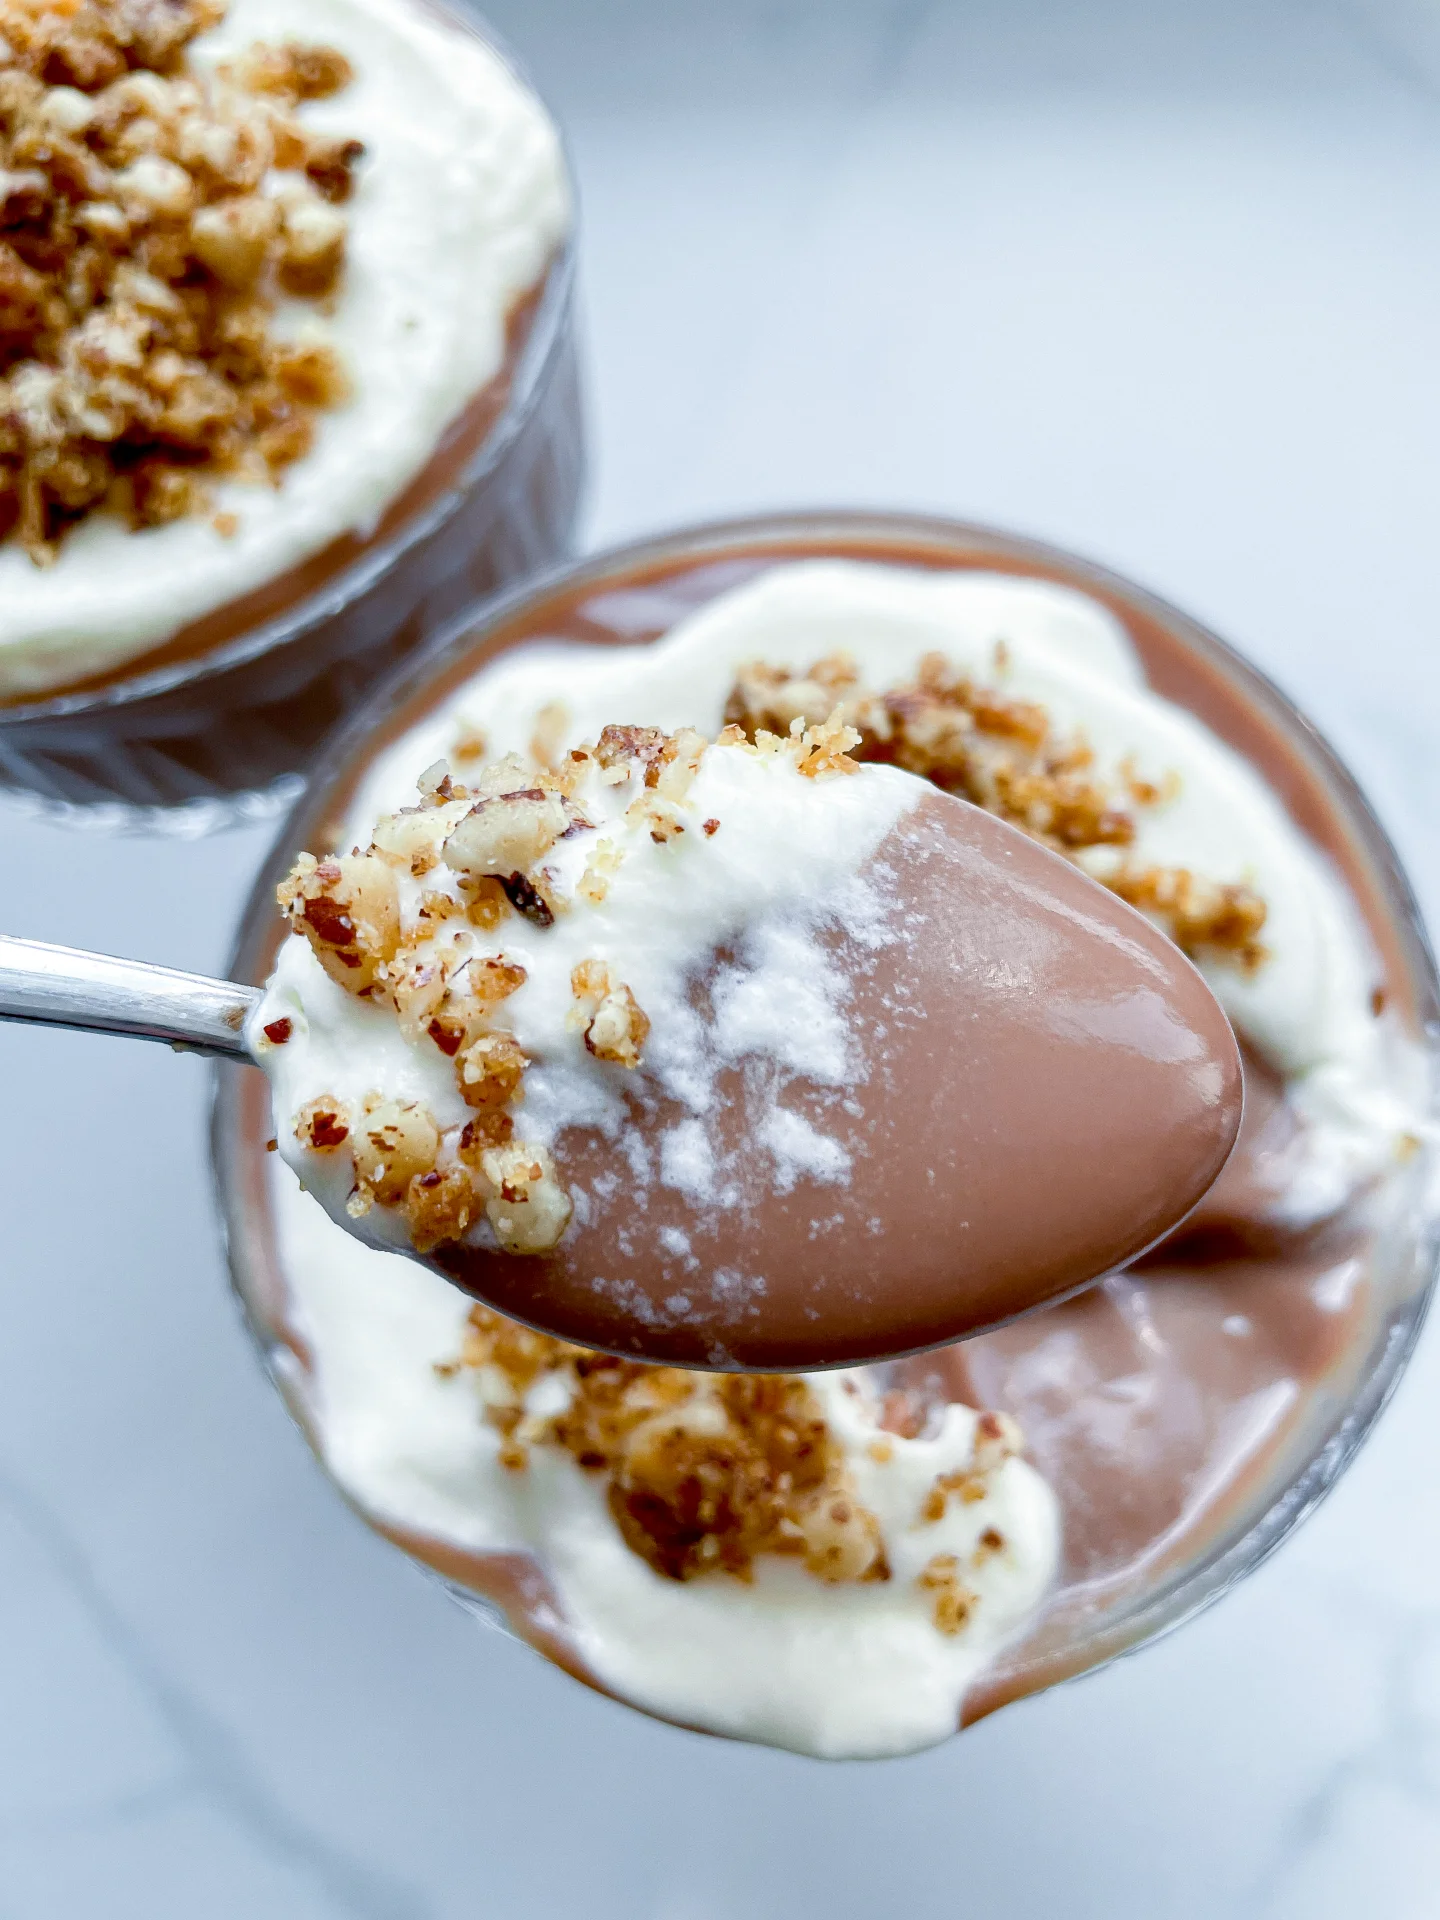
199, 731
1177, 1567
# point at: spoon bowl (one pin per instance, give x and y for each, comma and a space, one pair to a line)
1045, 1087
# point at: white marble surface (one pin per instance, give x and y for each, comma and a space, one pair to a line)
1154, 279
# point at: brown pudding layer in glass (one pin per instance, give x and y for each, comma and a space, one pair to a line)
1172, 1408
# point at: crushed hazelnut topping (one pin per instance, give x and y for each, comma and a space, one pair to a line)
704, 1473
1004, 755
527, 1207
348, 908
953, 1600
470, 744
490, 1069
600, 870
151, 217
323, 1125
440, 1207
1205, 919
620, 751
394, 1141
501, 837
614, 1027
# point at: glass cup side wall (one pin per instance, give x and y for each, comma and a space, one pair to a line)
189, 746
1404, 1270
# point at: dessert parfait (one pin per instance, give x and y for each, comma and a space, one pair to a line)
860, 1559
285, 371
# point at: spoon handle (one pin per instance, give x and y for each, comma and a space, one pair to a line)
62, 987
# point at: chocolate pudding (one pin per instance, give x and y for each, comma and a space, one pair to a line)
1136, 1445
286, 368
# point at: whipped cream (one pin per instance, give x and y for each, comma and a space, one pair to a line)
853, 1670
460, 202
841, 1671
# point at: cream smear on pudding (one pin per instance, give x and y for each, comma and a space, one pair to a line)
459, 203
447, 1441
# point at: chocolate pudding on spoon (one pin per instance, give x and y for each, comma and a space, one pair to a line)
735, 1054
1160, 1409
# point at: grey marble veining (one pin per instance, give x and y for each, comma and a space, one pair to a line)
1156, 281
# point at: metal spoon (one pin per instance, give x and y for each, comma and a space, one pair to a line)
49, 986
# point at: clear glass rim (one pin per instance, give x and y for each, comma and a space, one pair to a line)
541, 348
1195, 1584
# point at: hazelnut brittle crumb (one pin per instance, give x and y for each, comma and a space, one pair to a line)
706, 1473
151, 218
1004, 755
953, 1600
615, 1028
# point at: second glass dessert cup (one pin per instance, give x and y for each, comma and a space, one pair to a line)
220, 721
1102, 1607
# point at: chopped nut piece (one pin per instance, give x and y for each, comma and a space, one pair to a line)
440, 1208
504, 836
600, 870
410, 839
548, 739
491, 1127
490, 1069
997, 1439
954, 1602
436, 788
1204, 918
825, 749
394, 1141
348, 908
469, 744
322, 1124
620, 750
615, 1028
293, 72
527, 898
330, 167
662, 817
312, 246
678, 765
529, 1210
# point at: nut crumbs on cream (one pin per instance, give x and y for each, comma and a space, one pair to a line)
439, 967
708, 1473
1005, 755
152, 219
